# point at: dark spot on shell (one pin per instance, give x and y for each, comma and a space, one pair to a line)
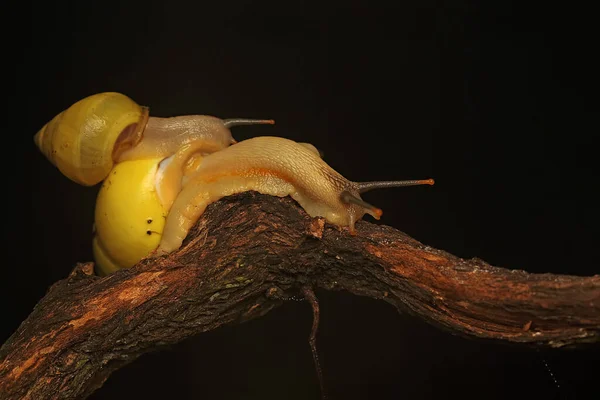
148, 232
149, 220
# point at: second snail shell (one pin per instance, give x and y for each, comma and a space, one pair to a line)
129, 216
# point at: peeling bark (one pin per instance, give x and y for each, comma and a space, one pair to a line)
247, 253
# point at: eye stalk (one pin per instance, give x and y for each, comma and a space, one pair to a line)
231, 122
366, 186
362, 187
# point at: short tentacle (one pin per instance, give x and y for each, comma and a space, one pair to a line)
349, 198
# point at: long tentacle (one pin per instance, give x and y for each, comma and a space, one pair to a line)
231, 122
366, 186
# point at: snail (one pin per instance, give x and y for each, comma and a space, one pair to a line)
108, 135
274, 166
161, 174
88, 138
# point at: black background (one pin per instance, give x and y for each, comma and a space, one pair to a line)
493, 101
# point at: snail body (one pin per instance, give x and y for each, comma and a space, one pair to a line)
162, 137
273, 166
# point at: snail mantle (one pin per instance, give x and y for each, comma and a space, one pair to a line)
241, 258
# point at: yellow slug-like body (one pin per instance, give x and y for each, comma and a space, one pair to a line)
80, 141
268, 165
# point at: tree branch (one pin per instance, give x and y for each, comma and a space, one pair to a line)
245, 255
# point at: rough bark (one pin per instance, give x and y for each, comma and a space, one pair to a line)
244, 255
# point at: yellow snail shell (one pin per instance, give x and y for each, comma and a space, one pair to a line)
80, 140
